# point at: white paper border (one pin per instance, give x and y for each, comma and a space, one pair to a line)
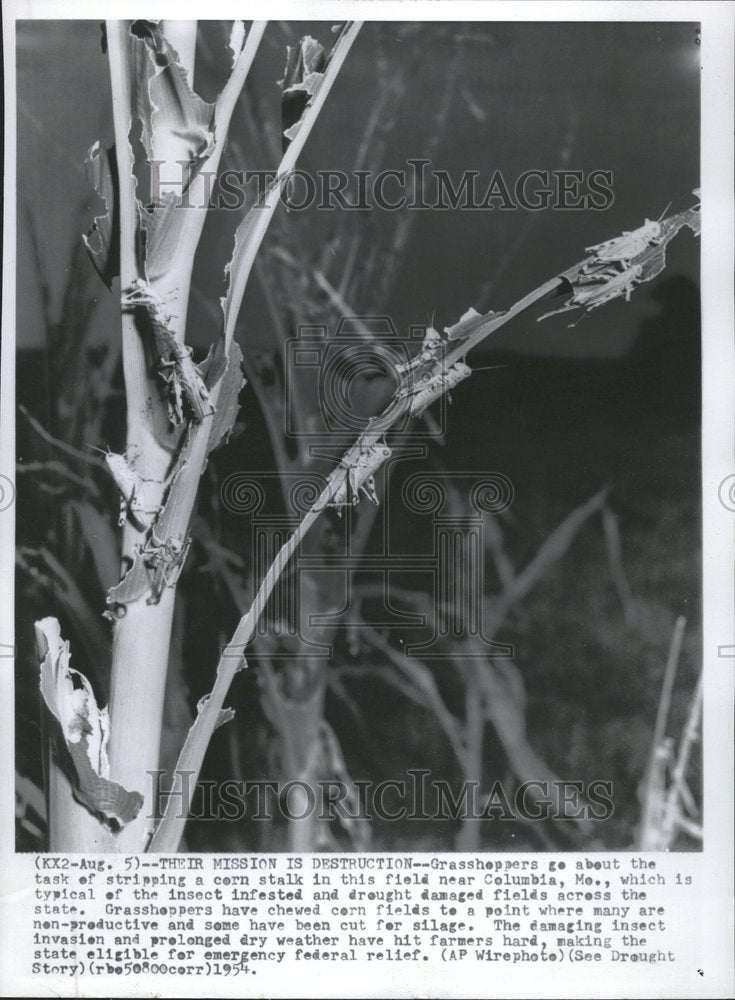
718, 371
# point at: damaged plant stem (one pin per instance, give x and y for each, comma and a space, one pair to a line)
177, 410
611, 270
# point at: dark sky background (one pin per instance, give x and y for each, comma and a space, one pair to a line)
610, 96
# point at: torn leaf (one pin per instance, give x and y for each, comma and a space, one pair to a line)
230, 383
225, 714
177, 125
237, 39
157, 565
161, 225
305, 64
101, 240
85, 728
604, 286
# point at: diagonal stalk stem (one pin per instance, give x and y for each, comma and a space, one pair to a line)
169, 831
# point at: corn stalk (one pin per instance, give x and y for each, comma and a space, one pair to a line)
177, 410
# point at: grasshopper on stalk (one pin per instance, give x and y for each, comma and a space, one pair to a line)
157, 565
165, 559
134, 499
175, 364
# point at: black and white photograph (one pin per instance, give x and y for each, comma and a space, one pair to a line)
366, 498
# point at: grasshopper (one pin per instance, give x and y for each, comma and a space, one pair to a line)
183, 380
133, 499
175, 365
142, 293
356, 473
165, 559
623, 249
429, 348
608, 284
157, 565
428, 389
617, 284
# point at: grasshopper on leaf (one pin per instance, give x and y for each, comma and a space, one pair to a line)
623, 249
429, 348
426, 390
356, 473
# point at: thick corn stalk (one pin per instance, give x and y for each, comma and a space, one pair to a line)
177, 410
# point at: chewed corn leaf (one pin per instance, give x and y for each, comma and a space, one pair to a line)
225, 714
593, 291
134, 584
176, 123
177, 135
237, 39
101, 239
305, 65
162, 226
230, 383
315, 85
85, 729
